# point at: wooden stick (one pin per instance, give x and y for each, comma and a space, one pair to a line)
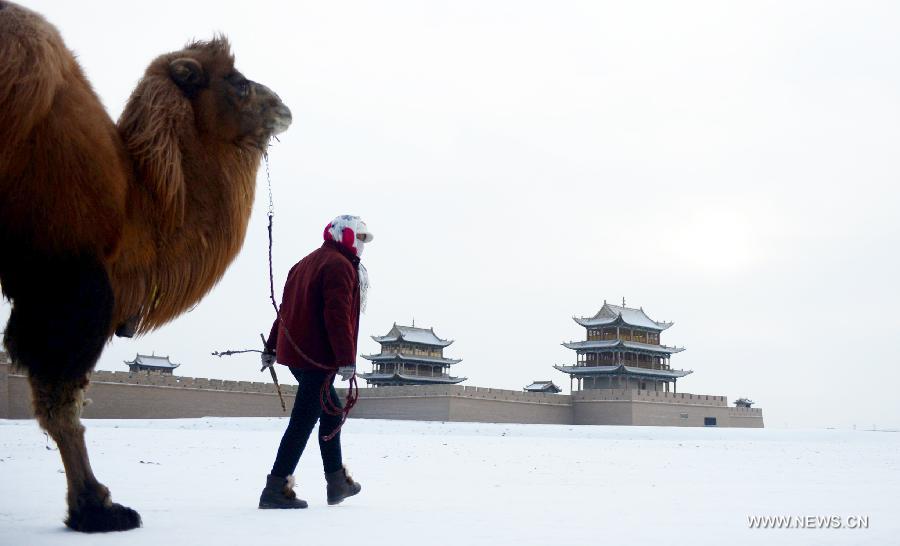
274, 377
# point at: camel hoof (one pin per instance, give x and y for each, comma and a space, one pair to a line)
97, 518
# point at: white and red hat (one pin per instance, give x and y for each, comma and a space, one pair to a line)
352, 233
349, 231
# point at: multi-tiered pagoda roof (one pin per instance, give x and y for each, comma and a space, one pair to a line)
151, 363
622, 349
411, 356
411, 334
612, 315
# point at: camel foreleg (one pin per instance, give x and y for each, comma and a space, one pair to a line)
57, 328
57, 407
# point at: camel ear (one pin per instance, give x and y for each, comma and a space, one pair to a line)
188, 74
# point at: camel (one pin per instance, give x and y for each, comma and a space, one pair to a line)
114, 228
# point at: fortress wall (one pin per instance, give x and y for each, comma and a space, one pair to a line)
411, 408
484, 410
601, 411
423, 403
19, 397
746, 417
166, 380
123, 401
477, 404
127, 395
678, 414
4, 386
651, 396
458, 403
654, 408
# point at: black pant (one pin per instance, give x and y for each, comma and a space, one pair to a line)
307, 410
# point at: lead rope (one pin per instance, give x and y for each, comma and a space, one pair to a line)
325, 401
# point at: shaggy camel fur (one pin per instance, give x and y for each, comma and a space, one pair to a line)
108, 227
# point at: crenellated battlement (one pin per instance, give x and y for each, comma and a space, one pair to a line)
652, 396
157, 379
461, 391
745, 412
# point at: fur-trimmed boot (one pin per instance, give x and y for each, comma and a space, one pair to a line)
279, 493
340, 486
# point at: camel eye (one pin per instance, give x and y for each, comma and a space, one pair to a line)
243, 89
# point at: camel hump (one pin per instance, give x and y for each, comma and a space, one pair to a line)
34, 62
78, 171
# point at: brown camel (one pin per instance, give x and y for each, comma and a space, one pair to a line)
114, 227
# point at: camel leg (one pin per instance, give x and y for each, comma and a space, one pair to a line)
57, 408
59, 323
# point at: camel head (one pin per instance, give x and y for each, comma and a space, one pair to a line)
190, 111
227, 105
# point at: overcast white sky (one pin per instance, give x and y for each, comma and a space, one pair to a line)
731, 167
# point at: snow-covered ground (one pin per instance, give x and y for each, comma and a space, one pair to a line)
196, 481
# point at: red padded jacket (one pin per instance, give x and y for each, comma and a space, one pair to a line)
320, 309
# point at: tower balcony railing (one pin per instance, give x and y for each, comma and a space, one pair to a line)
413, 353
623, 337
413, 373
648, 365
